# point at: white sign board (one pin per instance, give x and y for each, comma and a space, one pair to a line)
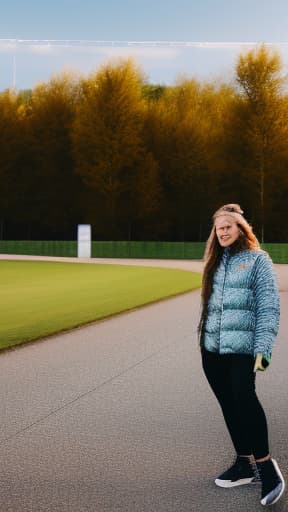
84, 241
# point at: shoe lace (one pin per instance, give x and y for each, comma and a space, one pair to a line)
255, 469
240, 461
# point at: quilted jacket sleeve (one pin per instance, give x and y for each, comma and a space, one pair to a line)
267, 307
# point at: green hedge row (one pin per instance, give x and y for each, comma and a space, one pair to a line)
157, 250
35, 248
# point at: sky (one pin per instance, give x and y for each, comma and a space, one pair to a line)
39, 39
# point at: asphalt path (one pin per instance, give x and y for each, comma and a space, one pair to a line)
118, 417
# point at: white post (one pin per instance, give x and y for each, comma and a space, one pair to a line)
84, 241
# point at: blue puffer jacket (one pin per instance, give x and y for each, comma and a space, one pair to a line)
243, 309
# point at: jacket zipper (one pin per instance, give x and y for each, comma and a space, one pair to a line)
222, 297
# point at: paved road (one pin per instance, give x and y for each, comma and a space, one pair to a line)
117, 417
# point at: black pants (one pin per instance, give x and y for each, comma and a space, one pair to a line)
232, 380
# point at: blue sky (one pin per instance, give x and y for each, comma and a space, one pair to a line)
217, 22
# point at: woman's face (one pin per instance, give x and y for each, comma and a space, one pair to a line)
227, 230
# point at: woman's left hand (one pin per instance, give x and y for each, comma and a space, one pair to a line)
261, 363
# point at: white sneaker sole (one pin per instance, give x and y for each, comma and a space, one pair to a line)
264, 500
229, 483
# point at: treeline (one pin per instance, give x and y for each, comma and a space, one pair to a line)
141, 161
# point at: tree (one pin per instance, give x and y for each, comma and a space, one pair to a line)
108, 142
13, 196
264, 121
179, 135
54, 185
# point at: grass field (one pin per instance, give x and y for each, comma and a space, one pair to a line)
42, 298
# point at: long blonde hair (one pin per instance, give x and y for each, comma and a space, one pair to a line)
213, 252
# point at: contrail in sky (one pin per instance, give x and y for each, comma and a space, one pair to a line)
160, 44
151, 50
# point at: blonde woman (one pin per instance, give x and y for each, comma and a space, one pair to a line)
239, 323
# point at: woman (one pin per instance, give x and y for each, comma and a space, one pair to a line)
239, 323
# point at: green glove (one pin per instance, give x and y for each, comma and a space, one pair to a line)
261, 362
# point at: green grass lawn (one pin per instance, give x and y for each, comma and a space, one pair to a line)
41, 298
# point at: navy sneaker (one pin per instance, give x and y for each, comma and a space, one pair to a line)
242, 472
273, 483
